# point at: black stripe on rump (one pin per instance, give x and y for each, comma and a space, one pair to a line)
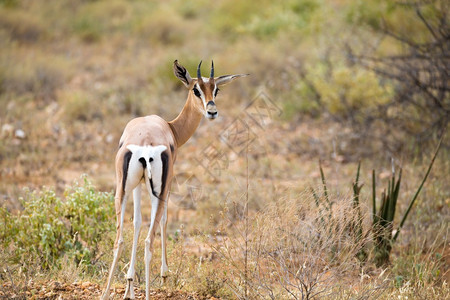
165, 171
153, 190
126, 164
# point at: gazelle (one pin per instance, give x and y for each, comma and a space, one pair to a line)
147, 151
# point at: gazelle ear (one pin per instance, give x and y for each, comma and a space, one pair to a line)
222, 80
182, 74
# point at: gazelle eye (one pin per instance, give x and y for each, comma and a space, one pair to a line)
217, 91
196, 92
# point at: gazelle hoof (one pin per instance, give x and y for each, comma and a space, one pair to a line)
129, 291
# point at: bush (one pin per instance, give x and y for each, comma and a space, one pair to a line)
347, 91
419, 106
50, 228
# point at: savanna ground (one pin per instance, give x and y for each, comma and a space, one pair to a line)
249, 216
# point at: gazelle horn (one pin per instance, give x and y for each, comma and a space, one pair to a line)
212, 69
199, 72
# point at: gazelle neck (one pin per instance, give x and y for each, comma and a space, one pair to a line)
185, 124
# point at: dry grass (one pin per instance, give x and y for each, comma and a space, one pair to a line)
293, 250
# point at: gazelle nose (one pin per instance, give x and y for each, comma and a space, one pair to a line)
211, 110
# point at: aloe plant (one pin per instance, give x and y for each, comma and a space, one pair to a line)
383, 220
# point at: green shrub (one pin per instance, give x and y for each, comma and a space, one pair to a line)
292, 15
50, 228
346, 90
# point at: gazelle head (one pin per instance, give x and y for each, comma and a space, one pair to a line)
204, 90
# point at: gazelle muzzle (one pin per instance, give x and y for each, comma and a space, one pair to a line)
211, 110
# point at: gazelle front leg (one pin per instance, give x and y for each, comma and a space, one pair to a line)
137, 221
120, 203
164, 267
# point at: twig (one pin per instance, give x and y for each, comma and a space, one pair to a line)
10, 278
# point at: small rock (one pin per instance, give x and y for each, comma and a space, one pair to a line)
109, 138
20, 134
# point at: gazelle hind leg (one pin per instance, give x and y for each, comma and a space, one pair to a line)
118, 244
164, 267
137, 221
157, 210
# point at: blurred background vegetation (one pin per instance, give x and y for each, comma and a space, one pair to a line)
353, 80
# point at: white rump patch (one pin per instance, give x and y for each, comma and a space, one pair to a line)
153, 166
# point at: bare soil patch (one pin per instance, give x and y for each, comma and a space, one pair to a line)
85, 290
